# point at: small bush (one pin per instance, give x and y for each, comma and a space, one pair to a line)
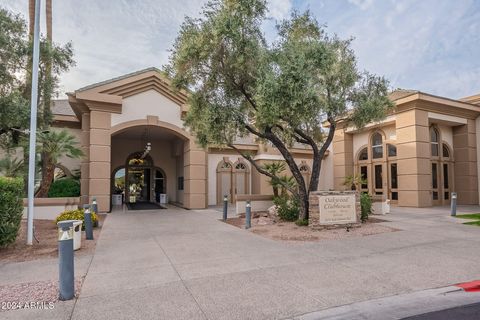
11, 209
67, 187
288, 208
366, 205
76, 215
301, 222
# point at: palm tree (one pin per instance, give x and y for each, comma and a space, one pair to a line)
53, 145
11, 167
354, 181
274, 168
287, 181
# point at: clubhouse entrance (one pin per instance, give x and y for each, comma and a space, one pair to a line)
148, 165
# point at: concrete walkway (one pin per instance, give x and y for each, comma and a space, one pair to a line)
178, 264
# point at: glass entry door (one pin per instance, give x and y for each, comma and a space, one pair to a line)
139, 184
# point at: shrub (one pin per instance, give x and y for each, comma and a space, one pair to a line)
366, 206
288, 208
67, 187
11, 209
76, 215
301, 222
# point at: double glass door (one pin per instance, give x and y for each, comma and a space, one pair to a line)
139, 184
440, 183
381, 179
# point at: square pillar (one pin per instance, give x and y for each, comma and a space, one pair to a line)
413, 159
84, 165
99, 183
465, 157
195, 176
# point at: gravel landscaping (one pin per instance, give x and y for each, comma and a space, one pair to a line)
38, 292
271, 227
46, 233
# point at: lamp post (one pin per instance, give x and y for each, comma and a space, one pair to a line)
33, 123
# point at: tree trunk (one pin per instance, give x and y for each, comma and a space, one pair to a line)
302, 190
275, 192
47, 179
31, 18
318, 157
48, 5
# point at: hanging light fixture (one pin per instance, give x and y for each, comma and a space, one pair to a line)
148, 146
147, 150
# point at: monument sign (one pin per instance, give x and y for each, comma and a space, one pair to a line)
337, 209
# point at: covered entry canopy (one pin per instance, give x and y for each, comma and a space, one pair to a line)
120, 110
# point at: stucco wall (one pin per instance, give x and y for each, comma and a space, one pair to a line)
148, 103
326, 172
71, 163
446, 135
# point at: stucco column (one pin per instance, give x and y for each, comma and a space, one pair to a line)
195, 176
465, 156
84, 165
413, 159
343, 157
100, 154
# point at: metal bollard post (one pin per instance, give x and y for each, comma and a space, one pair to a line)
65, 260
225, 207
88, 223
248, 215
94, 205
453, 204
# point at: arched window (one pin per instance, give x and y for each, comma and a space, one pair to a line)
363, 155
119, 181
392, 150
445, 151
240, 166
377, 146
434, 138
225, 166
304, 168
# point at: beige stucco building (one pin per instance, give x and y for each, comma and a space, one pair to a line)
423, 151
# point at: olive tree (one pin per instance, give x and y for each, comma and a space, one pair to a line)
294, 90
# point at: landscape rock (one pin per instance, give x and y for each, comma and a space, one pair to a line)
273, 211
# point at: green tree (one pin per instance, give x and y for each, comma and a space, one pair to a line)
15, 76
274, 169
11, 167
54, 144
280, 93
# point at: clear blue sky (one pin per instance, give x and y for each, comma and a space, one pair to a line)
428, 45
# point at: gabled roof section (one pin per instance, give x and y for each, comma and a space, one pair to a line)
401, 93
137, 82
475, 99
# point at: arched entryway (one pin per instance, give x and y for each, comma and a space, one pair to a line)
172, 170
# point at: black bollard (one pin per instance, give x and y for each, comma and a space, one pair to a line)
66, 277
225, 207
88, 222
453, 204
248, 215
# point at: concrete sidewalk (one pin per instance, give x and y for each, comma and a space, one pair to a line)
179, 264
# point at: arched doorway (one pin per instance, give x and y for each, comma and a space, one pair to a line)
144, 182
224, 180
242, 177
